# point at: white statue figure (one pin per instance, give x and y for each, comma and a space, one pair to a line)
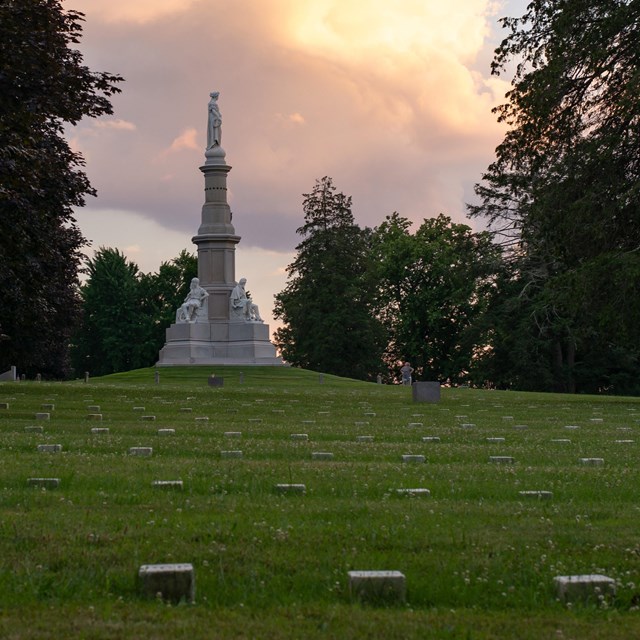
194, 300
214, 125
241, 303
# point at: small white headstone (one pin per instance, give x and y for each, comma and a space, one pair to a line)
431, 439
50, 448
167, 484
149, 418
94, 416
186, 409
172, 582
97, 430
202, 419
561, 440
233, 434
291, 488
138, 408
495, 439
541, 495
413, 492
43, 416
231, 454
501, 459
299, 436
593, 462
377, 586
47, 407
166, 432
364, 438
46, 483
584, 588
93, 408
321, 455
410, 457
143, 452
34, 429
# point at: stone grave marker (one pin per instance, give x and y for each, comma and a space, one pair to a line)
174, 582
231, 454
321, 455
540, 495
291, 488
426, 391
419, 492
94, 416
166, 432
142, 452
584, 588
45, 483
410, 457
364, 438
98, 430
430, 438
168, 484
592, 462
148, 418
377, 586
299, 436
495, 439
34, 429
43, 416
501, 459
49, 448
47, 407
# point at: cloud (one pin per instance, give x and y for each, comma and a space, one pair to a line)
116, 125
392, 100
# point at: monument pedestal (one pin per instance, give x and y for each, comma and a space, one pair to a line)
231, 343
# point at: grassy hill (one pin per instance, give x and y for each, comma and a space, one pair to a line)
479, 556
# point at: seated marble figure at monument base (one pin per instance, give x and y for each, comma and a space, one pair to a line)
193, 303
240, 305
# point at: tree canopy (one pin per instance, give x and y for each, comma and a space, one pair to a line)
44, 86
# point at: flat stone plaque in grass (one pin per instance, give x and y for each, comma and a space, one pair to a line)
100, 430
231, 454
186, 409
377, 587
142, 452
148, 418
93, 408
291, 488
415, 425
46, 483
520, 427
572, 427
624, 441
467, 425
561, 440
370, 414
171, 582
584, 588
202, 419
418, 492
410, 457
364, 438
540, 495
4, 405
138, 408
50, 448
168, 484
495, 439
94, 416
321, 455
596, 420
34, 429
232, 434
299, 436
592, 462
166, 432
43, 416
431, 439
501, 459
47, 407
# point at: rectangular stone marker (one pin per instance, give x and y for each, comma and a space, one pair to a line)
291, 488
370, 414
50, 448
47, 483
520, 427
148, 418
584, 588
431, 439
426, 391
231, 454
624, 441
415, 425
233, 434
571, 427
202, 419
541, 495
43, 416
501, 459
361, 424
186, 409
143, 452
364, 438
595, 420
94, 408
167, 484
321, 455
409, 457
100, 430
4, 405
498, 439
166, 432
34, 429
377, 586
562, 440
174, 582
299, 436
255, 419
467, 425
94, 416
594, 462
413, 492
47, 407
138, 408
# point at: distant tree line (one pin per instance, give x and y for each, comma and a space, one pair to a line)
548, 298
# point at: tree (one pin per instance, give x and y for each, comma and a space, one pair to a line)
431, 288
326, 307
563, 191
110, 338
43, 87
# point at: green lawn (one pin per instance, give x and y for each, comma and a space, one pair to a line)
479, 558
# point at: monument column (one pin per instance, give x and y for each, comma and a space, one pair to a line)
213, 326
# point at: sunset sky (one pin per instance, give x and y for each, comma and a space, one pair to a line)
390, 98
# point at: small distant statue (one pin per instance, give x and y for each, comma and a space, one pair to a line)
214, 125
241, 303
194, 300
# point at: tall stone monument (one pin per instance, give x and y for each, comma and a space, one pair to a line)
218, 323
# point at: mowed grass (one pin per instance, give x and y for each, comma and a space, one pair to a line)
479, 557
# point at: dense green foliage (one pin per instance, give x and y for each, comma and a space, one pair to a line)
432, 287
327, 305
479, 557
44, 86
563, 194
125, 312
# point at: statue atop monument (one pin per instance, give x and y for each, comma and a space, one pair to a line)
214, 124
